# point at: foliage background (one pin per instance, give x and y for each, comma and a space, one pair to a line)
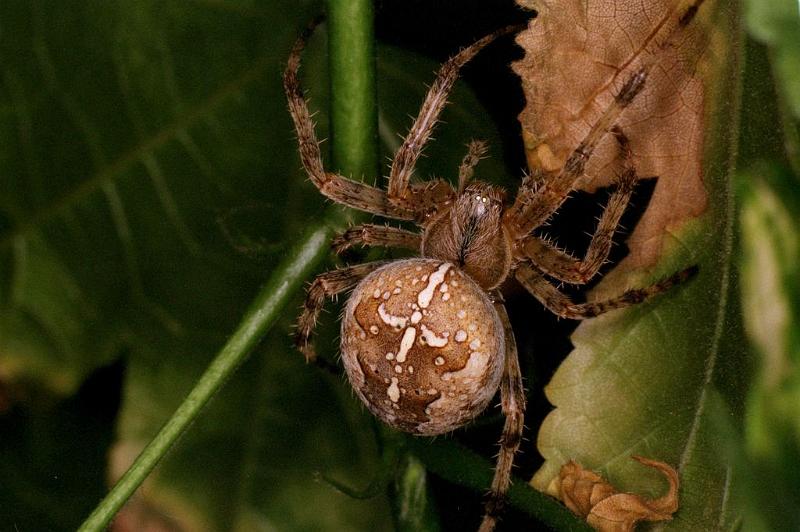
149, 183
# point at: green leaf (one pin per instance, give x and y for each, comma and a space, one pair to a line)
665, 379
128, 130
776, 24
770, 228
413, 506
121, 141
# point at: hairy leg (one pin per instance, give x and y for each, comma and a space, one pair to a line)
376, 235
512, 396
326, 285
564, 266
560, 304
336, 187
406, 157
533, 207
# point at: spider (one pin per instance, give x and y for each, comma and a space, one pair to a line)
426, 342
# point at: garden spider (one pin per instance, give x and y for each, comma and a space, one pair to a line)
426, 342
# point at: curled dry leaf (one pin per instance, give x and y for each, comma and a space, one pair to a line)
593, 498
578, 54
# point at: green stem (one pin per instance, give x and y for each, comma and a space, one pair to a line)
460, 465
354, 107
355, 152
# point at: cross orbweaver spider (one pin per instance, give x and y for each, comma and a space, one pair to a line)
426, 342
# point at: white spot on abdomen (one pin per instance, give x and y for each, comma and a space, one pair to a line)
437, 278
398, 322
406, 342
393, 391
431, 339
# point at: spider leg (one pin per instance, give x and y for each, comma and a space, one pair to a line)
512, 396
326, 285
475, 152
533, 207
564, 266
561, 305
334, 186
406, 157
376, 235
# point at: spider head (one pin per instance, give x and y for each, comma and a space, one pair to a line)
471, 235
480, 201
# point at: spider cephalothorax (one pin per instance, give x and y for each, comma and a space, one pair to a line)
470, 234
426, 342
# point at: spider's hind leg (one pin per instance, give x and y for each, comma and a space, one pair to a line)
512, 397
326, 285
561, 305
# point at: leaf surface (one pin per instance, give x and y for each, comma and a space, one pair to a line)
579, 55
770, 228
663, 379
129, 130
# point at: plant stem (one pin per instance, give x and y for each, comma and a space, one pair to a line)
354, 104
474, 471
354, 149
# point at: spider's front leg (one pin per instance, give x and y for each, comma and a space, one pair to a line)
334, 186
564, 266
559, 303
532, 207
400, 193
512, 397
326, 285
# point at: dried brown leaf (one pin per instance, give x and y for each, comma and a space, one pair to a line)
578, 55
593, 498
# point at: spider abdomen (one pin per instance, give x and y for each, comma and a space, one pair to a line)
422, 345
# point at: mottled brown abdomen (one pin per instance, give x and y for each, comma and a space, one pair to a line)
422, 345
